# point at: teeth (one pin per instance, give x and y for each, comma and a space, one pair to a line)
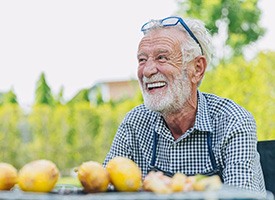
155, 85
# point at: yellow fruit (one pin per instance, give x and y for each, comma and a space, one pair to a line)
8, 176
38, 176
124, 174
93, 177
178, 182
157, 182
203, 183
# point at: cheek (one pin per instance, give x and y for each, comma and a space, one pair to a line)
140, 72
176, 61
175, 65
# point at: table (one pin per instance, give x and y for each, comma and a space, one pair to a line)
225, 193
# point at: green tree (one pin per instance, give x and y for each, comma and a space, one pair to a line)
237, 20
251, 84
60, 149
10, 97
111, 115
43, 94
10, 135
59, 99
40, 123
84, 123
99, 97
81, 96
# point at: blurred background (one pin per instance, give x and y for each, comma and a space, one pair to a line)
68, 70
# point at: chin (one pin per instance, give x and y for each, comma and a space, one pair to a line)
158, 105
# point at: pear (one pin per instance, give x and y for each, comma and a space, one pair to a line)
125, 175
38, 176
8, 176
93, 177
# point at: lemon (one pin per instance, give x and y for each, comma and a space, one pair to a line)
124, 174
8, 176
93, 177
38, 176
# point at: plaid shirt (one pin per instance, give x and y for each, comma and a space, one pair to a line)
234, 142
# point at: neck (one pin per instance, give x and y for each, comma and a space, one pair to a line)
179, 122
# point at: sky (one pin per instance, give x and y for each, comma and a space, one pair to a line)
78, 43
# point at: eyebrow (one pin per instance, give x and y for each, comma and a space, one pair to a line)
141, 54
163, 51
158, 52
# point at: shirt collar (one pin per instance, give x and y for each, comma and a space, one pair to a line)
203, 119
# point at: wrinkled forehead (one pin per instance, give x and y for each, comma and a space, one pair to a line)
168, 35
172, 32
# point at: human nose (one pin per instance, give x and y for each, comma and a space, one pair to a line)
150, 69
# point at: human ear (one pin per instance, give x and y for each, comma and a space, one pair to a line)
200, 65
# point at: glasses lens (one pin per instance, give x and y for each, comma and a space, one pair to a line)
149, 25
171, 21
146, 26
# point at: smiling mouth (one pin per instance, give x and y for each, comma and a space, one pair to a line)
156, 85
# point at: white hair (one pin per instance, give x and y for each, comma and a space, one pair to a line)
190, 48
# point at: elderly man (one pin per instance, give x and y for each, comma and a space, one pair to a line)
179, 128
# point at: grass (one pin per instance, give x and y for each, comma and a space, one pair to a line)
68, 180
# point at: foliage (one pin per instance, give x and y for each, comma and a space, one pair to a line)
43, 94
250, 84
10, 135
69, 180
59, 99
67, 134
241, 19
111, 116
81, 96
85, 124
10, 97
98, 97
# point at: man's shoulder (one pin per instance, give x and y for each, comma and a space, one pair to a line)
224, 106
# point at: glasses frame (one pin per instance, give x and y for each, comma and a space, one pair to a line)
179, 20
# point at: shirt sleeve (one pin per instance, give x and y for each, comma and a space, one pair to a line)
241, 159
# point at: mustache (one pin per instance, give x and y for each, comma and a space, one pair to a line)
161, 77
154, 78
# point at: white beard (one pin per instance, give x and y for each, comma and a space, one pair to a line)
170, 101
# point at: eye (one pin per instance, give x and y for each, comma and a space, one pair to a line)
142, 60
162, 58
